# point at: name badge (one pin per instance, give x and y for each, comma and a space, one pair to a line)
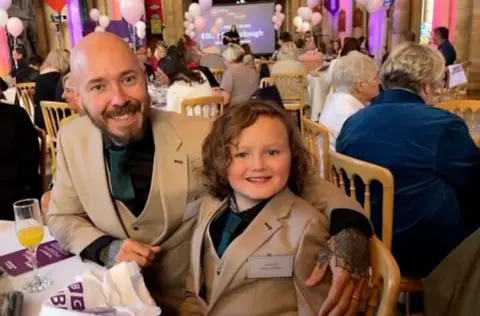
270, 266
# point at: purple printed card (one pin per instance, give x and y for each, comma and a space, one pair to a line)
17, 263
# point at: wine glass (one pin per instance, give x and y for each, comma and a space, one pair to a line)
30, 230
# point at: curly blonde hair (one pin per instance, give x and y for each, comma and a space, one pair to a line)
226, 129
411, 66
58, 59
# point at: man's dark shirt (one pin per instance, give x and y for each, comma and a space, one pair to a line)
140, 168
21, 64
27, 74
448, 52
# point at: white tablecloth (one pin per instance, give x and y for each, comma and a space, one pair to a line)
318, 89
62, 273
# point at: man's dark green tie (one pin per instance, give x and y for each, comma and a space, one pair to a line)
122, 188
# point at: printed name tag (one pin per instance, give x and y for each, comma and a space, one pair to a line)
270, 266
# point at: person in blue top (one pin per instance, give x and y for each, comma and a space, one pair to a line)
440, 38
433, 158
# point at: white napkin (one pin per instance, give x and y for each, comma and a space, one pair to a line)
119, 291
456, 76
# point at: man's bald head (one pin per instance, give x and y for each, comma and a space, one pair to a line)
111, 86
98, 46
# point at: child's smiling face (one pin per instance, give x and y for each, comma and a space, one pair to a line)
261, 160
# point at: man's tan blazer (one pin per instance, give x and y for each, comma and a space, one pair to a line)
82, 210
288, 232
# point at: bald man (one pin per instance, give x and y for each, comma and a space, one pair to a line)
126, 187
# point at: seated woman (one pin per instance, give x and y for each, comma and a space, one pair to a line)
287, 60
193, 56
159, 53
239, 82
356, 84
248, 58
255, 239
312, 59
183, 83
53, 68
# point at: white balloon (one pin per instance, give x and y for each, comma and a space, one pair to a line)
306, 13
186, 24
141, 34
297, 21
3, 17
278, 7
191, 35
141, 25
305, 27
99, 29
188, 16
95, 14
104, 21
219, 22
191, 27
194, 10
374, 5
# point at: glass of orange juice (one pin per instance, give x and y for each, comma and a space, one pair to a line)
29, 227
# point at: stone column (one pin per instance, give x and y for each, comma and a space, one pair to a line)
474, 57
42, 26
463, 27
400, 23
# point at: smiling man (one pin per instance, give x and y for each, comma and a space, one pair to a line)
126, 183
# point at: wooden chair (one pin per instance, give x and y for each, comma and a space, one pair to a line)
312, 131
292, 91
26, 102
28, 86
267, 82
43, 157
385, 278
367, 172
53, 113
469, 110
211, 107
218, 74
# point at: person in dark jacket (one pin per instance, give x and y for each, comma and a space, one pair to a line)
434, 160
30, 73
19, 159
440, 38
19, 55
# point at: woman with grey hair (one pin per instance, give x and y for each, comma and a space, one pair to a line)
430, 153
239, 82
356, 81
287, 60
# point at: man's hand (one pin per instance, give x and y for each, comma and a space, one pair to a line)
347, 256
132, 250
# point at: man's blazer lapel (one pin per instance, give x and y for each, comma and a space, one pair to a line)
257, 233
105, 216
173, 177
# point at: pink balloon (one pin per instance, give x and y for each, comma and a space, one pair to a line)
281, 17
200, 23
276, 27
131, 10
205, 4
15, 27
5, 4
316, 18
214, 12
312, 3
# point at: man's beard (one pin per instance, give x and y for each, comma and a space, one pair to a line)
130, 107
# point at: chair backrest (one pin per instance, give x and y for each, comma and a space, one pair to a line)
267, 82
317, 139
211, 107
53, 113
43, 156
28, 86
26, 102
356, 169
291, 87
466, 109
218, 74
385, 278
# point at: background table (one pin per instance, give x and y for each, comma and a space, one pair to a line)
62, 273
